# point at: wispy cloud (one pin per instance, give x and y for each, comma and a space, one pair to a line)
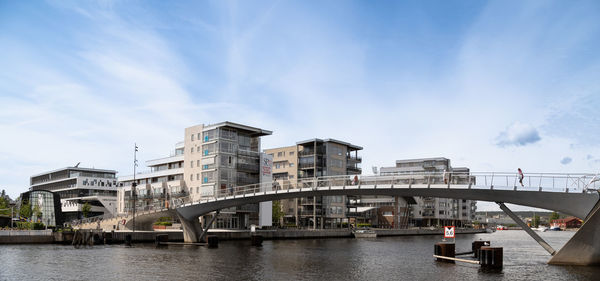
566, 160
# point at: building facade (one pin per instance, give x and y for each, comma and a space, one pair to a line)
430, 211
162, 185
77, 186
212, 160
309, 159
45, 206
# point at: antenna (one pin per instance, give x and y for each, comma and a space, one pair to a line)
77, 166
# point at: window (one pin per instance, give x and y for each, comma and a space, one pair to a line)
291, 176
192, 149
210, 135
279, 154
277, 166
192, 137
441, 212
291, 153
291, 165
198, 163
191, 177
192, 164
197, 176
199, 136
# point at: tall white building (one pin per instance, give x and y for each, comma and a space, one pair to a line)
430, 210
77, 186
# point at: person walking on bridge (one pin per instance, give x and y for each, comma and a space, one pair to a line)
521, 176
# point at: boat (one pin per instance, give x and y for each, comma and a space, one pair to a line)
501, 227
555, 228
541, 228
364, 233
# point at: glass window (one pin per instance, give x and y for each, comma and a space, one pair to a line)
192, 150
291, 164
291, 153
279, 154
191, 177
192, 137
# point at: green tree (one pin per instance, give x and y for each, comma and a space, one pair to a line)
85, 209
535, 222
554, 216
25, 210
277, 212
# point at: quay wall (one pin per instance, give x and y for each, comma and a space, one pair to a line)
46, 236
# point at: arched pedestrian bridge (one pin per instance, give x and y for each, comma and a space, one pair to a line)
573, 194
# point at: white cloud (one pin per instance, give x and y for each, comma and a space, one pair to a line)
518, 134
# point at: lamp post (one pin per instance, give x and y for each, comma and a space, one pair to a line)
134, 184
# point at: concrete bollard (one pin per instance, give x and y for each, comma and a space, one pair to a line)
476, 245
490, 257
161, 238
213, 241
128, 240
445, 249
256, 240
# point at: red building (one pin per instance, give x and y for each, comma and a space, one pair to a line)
570, 222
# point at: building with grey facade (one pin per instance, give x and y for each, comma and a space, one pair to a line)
430, 211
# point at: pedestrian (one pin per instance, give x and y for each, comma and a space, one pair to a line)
445, 176
355, 181
520, 176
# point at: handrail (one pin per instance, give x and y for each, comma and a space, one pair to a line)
553, 182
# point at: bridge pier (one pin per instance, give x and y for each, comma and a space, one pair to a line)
191, 229
584, 247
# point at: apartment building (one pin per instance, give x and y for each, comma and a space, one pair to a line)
218, 158
315, 158
76, 186
212, 160
429, 211
158, 187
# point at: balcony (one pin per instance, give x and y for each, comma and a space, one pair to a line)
353, 158
252, 168
306, 165
248, 153
310, 151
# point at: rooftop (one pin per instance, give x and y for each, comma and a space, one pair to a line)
77, 169
254, 130
422, 159
349, 145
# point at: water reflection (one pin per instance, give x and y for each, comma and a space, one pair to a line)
393, 258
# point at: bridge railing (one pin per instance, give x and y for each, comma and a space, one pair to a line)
477, 180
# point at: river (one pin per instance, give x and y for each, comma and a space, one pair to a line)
389, 258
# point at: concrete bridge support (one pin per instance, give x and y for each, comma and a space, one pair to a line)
584, 246
191, 229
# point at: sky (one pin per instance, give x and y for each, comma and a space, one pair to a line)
491, 85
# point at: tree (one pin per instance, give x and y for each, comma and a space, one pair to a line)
25, 210
85, 209
554, 216
535, 222
277, 213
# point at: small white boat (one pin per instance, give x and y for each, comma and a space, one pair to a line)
541, 228
364, 233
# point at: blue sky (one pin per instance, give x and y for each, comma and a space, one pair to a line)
491, 85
